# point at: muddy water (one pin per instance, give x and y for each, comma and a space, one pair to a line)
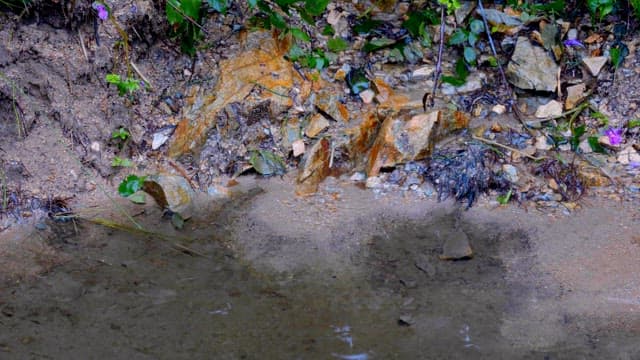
348, 276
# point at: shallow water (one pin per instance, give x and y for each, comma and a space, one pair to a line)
123, 296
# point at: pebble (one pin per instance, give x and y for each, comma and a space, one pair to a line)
373, 182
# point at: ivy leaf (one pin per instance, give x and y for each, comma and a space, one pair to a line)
173, 16
458, 37
316, 7
299, 34
191, 8
337, 44
469, 55
476, 26
595, 145
130, 185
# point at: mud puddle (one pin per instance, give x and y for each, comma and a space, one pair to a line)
365, 286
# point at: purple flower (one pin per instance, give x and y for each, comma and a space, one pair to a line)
103, 14
573, 42
614, 135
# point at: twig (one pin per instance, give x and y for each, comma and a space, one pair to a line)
144, 78
493, 47
84, 50
187, 17
491, 142
438, 65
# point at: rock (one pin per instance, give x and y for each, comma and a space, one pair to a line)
358, 176
474, 82
456, 246
628, 155
575, 94
594, 64
171, 192
510, 173
367, 96
423, 72
373, 182
572, 34
531, 67
592, 176
495, 17
298, 147
315, 168
463, 11
542, 143
328, 99
499, 109
317, 123
406, 137
161, 136
550, 109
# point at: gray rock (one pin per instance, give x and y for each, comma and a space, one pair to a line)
465, 9
594, 64
456, 246
531, 67
510, 173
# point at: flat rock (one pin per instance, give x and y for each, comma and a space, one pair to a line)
531, 67
594, 64
474, 82
575, 94
316, 125
550, 109
456, 246
171, 192
628, 155
315, 168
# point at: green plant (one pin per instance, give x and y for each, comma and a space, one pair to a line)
130, 185
125, 86
600, 8
504, 199
468, 40
460, 76
417, 22
184, 16
451, 5
120, 162
120, 133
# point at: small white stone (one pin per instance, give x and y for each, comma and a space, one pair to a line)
423, 72
367, 96
499, 109
95, 146
373, 182
298, 147
541, 143
358, 176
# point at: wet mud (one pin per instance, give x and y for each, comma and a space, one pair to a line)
324, 285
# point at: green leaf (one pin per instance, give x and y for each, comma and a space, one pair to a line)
458, 37
328, 31
267, 163
595, 145
299, 34
633, 123
337, 44
504, 199
576, 133
277, 21
173, 16
295, 53
377, 44
453, 80
469, 55
365, 26
461, 69
476, 26
113, 78
472, 39
191, 8
120, 133
130, 185
316, 7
